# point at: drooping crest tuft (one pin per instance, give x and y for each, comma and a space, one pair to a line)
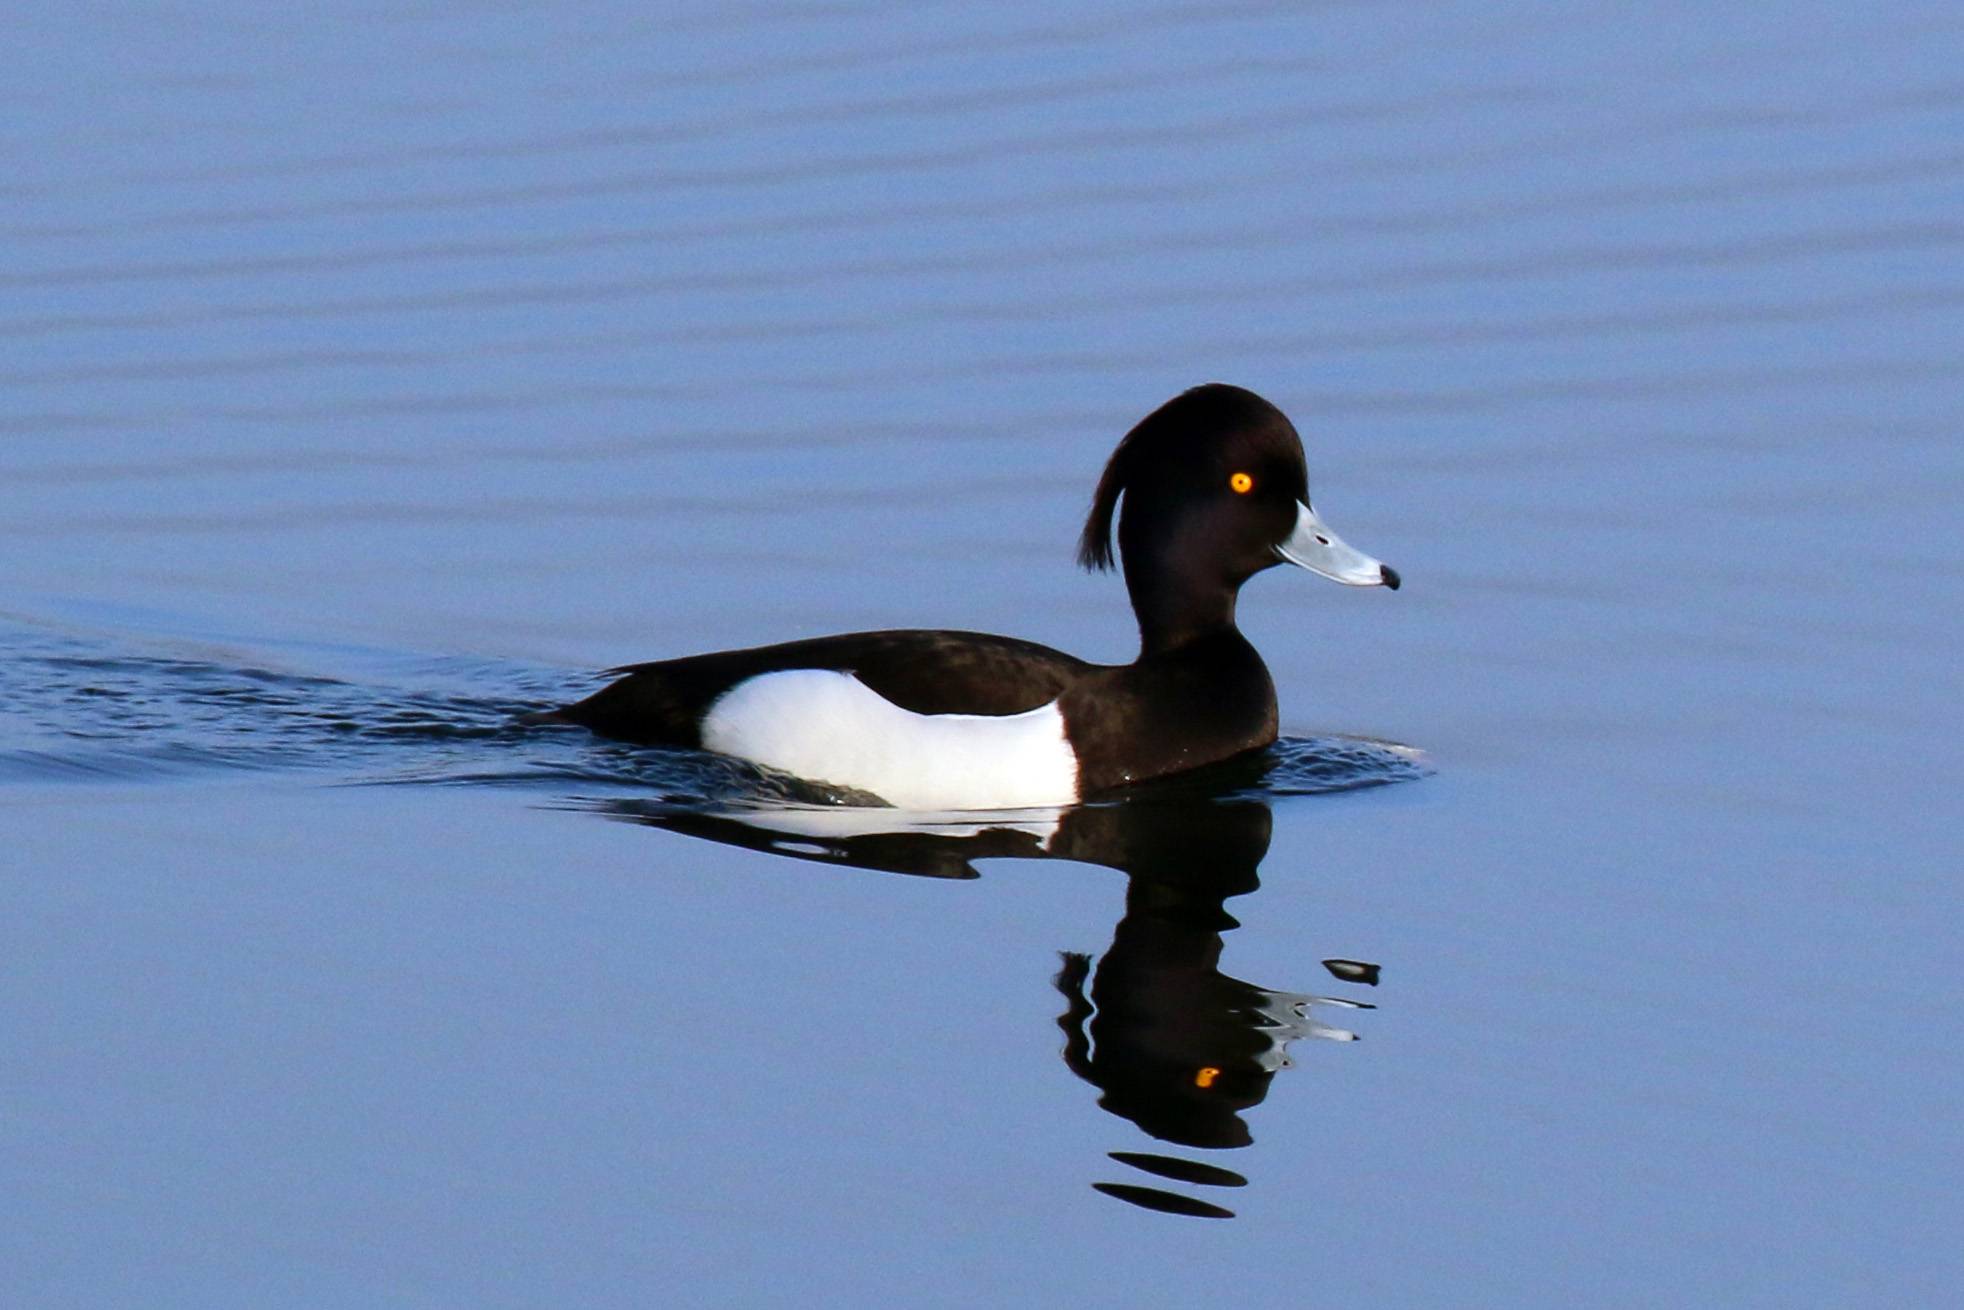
1094, 547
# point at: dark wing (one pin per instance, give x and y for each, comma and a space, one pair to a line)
926, 672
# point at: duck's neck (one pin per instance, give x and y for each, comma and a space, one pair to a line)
1177, 606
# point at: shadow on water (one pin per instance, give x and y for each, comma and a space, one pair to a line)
1172, 1044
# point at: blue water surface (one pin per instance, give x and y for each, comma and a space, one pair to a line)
372, 375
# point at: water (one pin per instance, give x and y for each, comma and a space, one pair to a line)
372, 377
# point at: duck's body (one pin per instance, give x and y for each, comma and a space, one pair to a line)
1215, 490
928, 719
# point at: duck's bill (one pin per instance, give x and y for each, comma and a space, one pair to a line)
1313, 546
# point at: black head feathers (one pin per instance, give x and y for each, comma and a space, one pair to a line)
1194, 434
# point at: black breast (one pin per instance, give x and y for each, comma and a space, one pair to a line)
1178, 709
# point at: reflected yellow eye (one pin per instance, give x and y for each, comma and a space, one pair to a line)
1241, 484
1204, 1078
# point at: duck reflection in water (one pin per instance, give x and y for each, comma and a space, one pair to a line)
1172, 1044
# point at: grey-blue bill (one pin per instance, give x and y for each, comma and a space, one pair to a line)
1311, 545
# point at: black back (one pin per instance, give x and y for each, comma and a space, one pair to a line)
928, 672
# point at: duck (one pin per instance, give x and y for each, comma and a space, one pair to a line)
1205, 492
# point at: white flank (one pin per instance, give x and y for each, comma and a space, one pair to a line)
831, 727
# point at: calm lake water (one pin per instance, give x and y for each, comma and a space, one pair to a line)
370, 374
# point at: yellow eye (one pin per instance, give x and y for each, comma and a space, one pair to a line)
1204, 1078
1241, 484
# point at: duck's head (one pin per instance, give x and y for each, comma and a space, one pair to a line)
1214, 490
